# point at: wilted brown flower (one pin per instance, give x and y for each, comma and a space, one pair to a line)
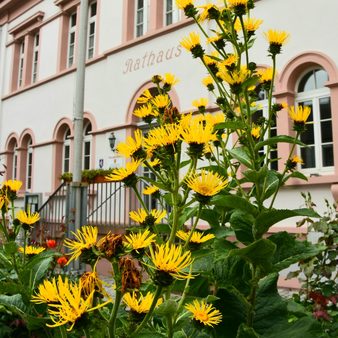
130, 273
110, 244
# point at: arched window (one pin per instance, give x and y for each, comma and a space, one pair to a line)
66, 151
87, 138
261, 115
317, 155
29, 165
15, 162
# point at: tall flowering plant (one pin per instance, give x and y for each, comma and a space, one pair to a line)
200, 263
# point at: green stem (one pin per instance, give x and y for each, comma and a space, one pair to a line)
63, 332
24, 245
113, 315
3, 225
151, 310
193, 227
169, 326
184, 294
86, 333
139, 197
252, 298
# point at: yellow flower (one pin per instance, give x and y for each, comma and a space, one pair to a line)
196, 237
256, 132
32, 250
200, 103
145, 97
150, 190
198, 133
192, 43
141, 216
163, 136
182, 4
85, 239
140, 240
208, 81
133, 146
206, 183
296, 160
265, 75
27, 218
127, 174
171, 260
250, 24
161, 101
48, 290
209, 11
276, 40
229, 62
204, 313
238, 6
169, 79
13, 185
139, 303
236, 77
72, 306
145, 111
299, 114
2, 201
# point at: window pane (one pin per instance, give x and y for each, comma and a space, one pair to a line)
140, 17
67, 148
169, 5
307, 82
321, 78
326, 131
327, 153
73, 20
308, 157
308, 136
325, 108
169, 18
140, 4
93, 9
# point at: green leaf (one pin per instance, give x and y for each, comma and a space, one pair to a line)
10, 248
14, 303
245, 331
295, 174
270, 217
271, 184
188, 213
277, 139
242, 223
290, 251
166, 308
154, 182
233, 311
270, 309
4, 261
233, 125
184, 163
258, 253
210, 216
149, 334
241, 154
305, 327
234, 202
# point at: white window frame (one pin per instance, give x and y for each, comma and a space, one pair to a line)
36, 43
314, 96
87, 138
66, 146
175, 13
71, 45
91, 38
144, 23
29, 166
21, 63
263, 105
15, 163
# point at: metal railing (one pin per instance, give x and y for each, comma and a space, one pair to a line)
104, 204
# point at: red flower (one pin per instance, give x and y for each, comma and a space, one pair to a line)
62, 261
51, 243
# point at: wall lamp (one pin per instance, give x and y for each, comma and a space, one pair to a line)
112, 140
